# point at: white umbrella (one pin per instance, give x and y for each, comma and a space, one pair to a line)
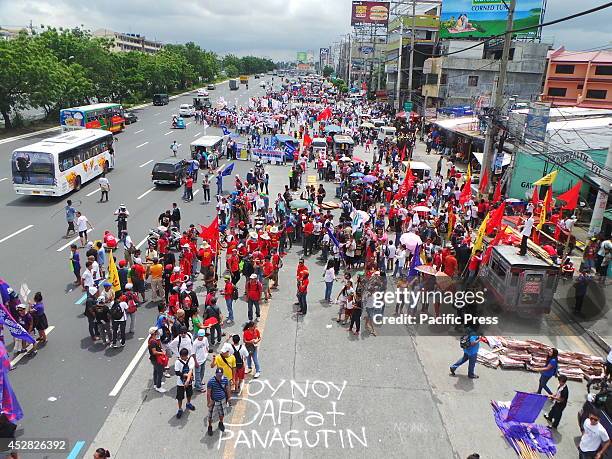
421, 209
345, 158
411, 240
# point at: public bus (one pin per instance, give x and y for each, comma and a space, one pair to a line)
61, 164
96, 116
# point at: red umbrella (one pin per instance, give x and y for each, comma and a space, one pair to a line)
401, 115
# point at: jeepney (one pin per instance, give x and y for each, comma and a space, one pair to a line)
343, 146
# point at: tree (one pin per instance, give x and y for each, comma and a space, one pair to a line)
232, 71
328, 71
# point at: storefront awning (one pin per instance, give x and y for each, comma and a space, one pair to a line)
480, 156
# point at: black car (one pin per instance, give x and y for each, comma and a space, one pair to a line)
169, 171
130, 117
161, 99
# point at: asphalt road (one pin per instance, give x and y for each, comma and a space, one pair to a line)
64, 390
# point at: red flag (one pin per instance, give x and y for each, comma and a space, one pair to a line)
403, 153
571, 196
496, 218
466, 193
325, 114
406, 185
307, 140
496, 241
535, 199
210, 233
497, 193
484, 182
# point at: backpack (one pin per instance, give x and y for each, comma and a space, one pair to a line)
234, 293
464, 342
131, 302
116, 311
99, 313
238, 357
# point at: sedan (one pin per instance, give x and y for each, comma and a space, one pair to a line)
130, 117
210, 87
202, 92
186, 110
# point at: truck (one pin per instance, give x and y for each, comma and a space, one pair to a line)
233, 84
244, 79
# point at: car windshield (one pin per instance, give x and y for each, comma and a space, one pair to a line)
33, 168
184, 106
163, 167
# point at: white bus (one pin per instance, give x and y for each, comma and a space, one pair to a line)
61, 164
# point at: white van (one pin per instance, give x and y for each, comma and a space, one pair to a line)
186, 110
387, 132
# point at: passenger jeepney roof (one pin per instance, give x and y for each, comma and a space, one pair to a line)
343, 139
510, 254
285, 138
417, 165
207, 141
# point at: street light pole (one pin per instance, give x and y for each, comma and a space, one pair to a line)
498, 103
412, 32
399, 65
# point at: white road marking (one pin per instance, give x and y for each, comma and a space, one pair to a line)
188, 123
3, 179
196, 191
144, 164
139, 245
93, 192
138, 132
16, 360
142, 145
198, 134
25, 228
168, 133
158, 113
145, 193
126, 374
71, 242
162, 122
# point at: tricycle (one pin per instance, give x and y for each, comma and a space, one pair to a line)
178, 122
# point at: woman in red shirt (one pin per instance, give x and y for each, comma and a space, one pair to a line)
228, 294
251, 338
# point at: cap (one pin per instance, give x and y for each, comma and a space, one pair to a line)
253, 276
201, 332
122, 263
108, 284
21, 306
152, 330
227, 347
183, 330
219, 371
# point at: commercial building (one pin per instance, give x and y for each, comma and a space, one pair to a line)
582, 79
129, 42
468, 77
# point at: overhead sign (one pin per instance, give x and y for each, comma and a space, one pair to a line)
366, 49
370, 13
302, 57
408, 106
485, 18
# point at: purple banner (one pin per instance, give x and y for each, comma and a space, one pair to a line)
525, 407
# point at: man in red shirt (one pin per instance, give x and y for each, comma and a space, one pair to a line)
233, 265
188, 189
277, 262
308, 237
450, 264
302, 291
138, 277
253, 291
268, 271
473, 266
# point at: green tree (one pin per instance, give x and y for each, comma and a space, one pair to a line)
232, 71
328, 71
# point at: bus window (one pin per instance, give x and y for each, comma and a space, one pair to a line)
66, 160
32, 168
498, 269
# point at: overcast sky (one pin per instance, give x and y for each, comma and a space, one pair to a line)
272, 28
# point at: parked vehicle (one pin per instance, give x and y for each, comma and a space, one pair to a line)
201, 102
244, 79
186, 110
160, 99
169, 171
202, 92
130, 117
211, 87
233, 84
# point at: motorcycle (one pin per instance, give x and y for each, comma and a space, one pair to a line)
172, 233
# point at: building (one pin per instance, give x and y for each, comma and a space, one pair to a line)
129, 42
468, 77
426, 22
582, 79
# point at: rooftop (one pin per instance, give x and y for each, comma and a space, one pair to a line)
562, 55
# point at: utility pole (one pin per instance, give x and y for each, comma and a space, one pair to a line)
492, 128
350, 61
412, 33
399, 65
602, 198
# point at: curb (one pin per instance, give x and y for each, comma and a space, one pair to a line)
29, 134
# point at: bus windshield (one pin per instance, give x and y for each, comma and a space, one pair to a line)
33, 168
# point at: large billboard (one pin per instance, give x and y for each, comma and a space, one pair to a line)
324, 57
485, 18
370, 13
302, 57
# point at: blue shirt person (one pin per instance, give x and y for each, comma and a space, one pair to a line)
470, 345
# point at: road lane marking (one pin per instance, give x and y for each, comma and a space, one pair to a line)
82, 299
158, 113
16, 360
162, 122
78, 446
188, 123
197, 134
139, 245
144, 164
126, 374
93, 192
142, 145
71, 242
168, 133
3, 179
138, 132
146, 193
25, 228
196, 192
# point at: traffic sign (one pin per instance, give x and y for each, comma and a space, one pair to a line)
408, 106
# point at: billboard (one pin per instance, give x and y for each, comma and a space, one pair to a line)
370, 13
302, 57
323, 57
485, 18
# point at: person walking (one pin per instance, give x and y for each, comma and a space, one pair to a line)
37, 309
158, 359
356, 309
559, 402
104, 185
251, 337
230, 293
213, 312
200, 354
103, 320
217, 399
83, 225
581, 285
184, 369
548, 371
254, 289
206, 189
594, 440
302, 291
70, 217
156, 271
75, 262
118, 313
241, 355
329, 278
174, 148
470, 344
175, 216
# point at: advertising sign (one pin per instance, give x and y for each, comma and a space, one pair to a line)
485, 18
271, 156
370, 13
366, 49
324, 57
302, 57
537, 120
